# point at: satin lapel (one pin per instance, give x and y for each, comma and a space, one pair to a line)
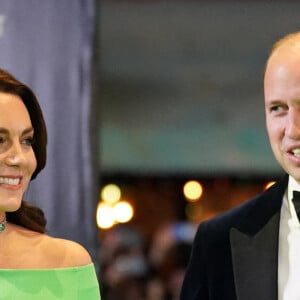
255, 261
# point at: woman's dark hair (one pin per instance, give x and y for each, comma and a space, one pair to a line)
27, 215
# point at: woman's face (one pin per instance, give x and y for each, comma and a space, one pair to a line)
17, 159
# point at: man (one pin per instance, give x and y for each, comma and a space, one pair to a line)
253, 251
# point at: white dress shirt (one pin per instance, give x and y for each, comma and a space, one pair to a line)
289, 247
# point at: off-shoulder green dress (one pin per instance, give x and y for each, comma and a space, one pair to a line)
73, 283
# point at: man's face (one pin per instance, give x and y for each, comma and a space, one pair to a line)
282, 103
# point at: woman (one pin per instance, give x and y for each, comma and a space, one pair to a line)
33, 265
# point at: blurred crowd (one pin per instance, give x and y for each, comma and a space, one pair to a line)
133, 267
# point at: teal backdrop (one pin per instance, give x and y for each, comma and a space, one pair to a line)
181, 85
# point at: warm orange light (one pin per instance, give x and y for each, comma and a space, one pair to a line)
269, 184
192, 190
193, 211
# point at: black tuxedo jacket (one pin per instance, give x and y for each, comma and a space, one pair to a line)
235, 255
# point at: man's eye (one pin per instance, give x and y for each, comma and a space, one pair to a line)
277, 108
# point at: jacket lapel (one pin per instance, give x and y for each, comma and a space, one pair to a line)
255, 262
254, 246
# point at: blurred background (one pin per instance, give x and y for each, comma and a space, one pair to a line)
181, 134
155, 114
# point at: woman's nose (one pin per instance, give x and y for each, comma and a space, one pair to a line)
15, 155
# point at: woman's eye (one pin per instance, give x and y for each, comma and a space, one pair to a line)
28, 141
2, 140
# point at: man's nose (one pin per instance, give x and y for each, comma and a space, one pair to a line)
293, 124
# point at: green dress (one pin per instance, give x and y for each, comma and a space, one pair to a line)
73, 283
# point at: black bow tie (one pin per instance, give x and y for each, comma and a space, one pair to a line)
296, 201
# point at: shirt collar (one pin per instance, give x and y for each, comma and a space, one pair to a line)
293, 185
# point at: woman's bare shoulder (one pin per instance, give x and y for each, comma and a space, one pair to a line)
66, 253
47, 251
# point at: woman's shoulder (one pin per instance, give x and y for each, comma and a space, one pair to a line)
63, 252
45, 251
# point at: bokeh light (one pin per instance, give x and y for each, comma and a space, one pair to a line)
269, 184
193, 211
105, 216
192, 190
123, 212
111, 193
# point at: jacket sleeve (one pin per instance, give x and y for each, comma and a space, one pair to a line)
195, 284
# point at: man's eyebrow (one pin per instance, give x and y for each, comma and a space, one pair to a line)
274, 102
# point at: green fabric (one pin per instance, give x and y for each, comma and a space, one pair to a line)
76, 283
